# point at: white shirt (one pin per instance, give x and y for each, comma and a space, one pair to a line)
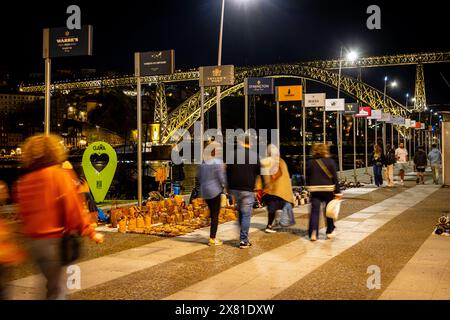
401, 155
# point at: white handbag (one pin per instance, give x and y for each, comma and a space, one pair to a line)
333, 208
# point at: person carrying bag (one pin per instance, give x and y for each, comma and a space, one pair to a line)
323, 185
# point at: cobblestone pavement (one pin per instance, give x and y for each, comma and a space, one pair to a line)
387, 227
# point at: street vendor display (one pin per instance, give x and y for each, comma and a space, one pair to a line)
168, 217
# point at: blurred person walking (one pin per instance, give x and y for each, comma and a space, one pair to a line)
241, 176
390, 162
401, 155
277, 185
323, 184
435, 158
420, 164
10, 254
377, 160
212, 177
51, 210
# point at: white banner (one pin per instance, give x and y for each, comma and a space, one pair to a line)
400, 121
386, 117
413, 124
376, 115
335, 105
315, 100
422, 126
408, 123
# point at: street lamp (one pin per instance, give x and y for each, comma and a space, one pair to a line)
393, 84
351, 56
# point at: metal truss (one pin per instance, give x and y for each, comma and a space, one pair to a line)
384, 61
419, 94
130, 81
161, 115
188, 112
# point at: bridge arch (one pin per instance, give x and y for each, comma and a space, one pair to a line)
188, 112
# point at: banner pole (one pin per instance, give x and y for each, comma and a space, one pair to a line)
278, 125
139, 126
246, 104
48, 72
202, 120
365, 146
354, 149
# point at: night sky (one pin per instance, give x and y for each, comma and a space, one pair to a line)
255, 32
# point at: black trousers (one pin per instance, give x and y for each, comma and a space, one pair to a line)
274, 203
214, 209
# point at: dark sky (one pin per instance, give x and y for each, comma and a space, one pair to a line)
255, 32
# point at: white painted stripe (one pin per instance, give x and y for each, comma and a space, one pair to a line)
426, 276
267, 275
97, 271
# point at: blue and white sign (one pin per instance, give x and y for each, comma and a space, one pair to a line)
254, 86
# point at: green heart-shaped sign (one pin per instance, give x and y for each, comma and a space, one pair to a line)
99, 166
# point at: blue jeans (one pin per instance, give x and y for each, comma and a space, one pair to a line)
245, 201
378, 177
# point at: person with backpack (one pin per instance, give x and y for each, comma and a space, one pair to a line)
420, 162
390, 162
377, 160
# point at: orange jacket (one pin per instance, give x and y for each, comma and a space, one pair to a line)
50, 205
10, 254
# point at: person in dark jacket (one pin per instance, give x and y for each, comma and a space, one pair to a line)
323, 184
420, 162
377, 160
241, 176
211, 174
390, 161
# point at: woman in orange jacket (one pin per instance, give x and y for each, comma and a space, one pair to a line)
50, 207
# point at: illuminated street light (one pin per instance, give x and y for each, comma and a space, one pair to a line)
352, 56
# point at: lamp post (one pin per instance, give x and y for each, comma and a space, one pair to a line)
393, 85
219, 62
351, 56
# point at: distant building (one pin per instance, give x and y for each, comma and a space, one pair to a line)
12, 102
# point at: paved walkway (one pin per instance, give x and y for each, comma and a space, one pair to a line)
285, 265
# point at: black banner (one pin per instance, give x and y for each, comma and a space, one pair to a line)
61, 42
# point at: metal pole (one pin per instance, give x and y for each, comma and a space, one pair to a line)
219, 122
139, 127
366, 138
278, 124
324, 126
354, 148
384, 122
246, 104
338, 120
376, 132
304, 134
410, 137
48, 72
202, 120
392, 135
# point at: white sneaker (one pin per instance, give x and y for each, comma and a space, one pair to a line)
331, 235
270, 230
313, 236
